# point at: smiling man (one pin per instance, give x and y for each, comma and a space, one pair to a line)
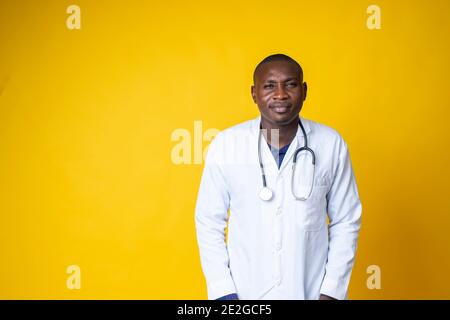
280, 176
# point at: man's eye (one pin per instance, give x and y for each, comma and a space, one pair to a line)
292, 84
268, 86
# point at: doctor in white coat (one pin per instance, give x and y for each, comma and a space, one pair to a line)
280, 244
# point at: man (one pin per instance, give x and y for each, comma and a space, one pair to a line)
280, 247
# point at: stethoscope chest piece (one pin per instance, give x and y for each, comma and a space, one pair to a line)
265, 194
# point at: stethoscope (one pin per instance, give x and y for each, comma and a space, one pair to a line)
266, 193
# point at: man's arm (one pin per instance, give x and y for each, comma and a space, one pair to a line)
211, 220
344, 212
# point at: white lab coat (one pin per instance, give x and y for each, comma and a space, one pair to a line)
283, 248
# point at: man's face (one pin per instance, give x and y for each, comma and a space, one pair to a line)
279, 92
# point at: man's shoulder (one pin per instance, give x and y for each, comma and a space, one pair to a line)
237, 131
322, 130
243, 130
245, 126
233, 139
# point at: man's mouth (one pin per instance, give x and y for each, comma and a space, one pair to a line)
280, 108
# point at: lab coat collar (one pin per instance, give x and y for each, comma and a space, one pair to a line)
305, 122
296, 143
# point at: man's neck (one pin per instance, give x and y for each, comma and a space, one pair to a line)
279, 136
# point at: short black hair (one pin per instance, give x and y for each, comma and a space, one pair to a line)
277, 57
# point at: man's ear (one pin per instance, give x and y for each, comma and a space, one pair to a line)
252, 90
305, 90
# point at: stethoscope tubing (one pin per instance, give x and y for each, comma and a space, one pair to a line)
268, 192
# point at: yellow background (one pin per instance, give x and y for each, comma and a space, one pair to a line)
86, 118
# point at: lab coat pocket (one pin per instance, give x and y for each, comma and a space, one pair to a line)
310, 214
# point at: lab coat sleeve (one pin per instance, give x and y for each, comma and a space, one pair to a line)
344, 213
211, 218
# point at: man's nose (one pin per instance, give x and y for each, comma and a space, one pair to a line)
280, 92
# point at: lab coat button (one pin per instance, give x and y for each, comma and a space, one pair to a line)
278, 246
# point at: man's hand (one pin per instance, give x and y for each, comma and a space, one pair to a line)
232, 296
325, 297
